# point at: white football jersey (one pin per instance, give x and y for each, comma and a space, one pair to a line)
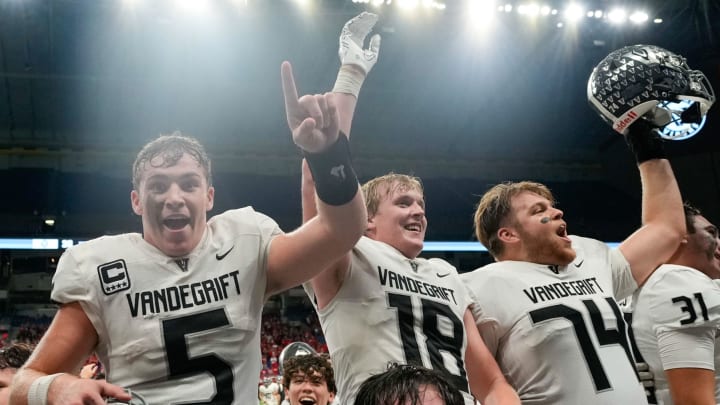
176, 331
675, 320
270, 393
557, 332
394, 309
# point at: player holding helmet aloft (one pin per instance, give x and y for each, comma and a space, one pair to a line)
382, 303
175, 313
676, 318
547, 309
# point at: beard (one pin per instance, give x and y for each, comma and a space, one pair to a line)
547, 250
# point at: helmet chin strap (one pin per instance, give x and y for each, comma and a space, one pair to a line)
544, 220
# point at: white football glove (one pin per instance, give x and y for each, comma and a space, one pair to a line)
352, 40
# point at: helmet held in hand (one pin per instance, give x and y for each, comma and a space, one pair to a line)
637, 82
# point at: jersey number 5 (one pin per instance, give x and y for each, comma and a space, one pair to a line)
435, 340
604, 336
181, 365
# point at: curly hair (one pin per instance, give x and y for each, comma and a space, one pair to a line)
15, 355
308, 364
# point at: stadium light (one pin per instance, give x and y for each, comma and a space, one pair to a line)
480, 16
574, 12
617, 15
638, 17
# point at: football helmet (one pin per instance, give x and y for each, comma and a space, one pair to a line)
638, 81
294, 349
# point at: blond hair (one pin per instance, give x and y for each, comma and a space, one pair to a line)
494, 208
380, 187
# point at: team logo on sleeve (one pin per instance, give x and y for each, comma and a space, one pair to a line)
114, 277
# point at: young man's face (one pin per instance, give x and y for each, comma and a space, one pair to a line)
542, 242
309, 390
173, 202
400, 221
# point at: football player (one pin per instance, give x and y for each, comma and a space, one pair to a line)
174, 313
547, 308
382, 303
676, 315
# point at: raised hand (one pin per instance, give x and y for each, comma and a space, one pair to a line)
352, 40
313, 119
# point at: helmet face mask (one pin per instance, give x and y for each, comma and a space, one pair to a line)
634, 82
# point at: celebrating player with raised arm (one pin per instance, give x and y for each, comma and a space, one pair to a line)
382, 303
676, 318
547, 309
174, 313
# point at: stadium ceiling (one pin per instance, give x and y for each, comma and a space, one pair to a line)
455, 95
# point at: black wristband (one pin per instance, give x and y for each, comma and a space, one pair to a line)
645, 142
335, 179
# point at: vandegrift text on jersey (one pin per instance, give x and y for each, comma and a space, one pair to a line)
404, 283
184, 295
561, 289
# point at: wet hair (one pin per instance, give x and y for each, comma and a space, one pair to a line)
170, 148
690, 214
15, 355
380, 187
308, 364
494, 208
402, 384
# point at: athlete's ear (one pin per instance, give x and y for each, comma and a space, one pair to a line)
135, 202
508, 235
211, 198
371, 227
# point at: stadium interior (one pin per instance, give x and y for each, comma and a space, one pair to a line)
466, 94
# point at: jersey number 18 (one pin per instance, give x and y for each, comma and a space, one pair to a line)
435, 340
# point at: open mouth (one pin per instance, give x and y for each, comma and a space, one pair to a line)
562, 232
307, 401
176, 223
414, 227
